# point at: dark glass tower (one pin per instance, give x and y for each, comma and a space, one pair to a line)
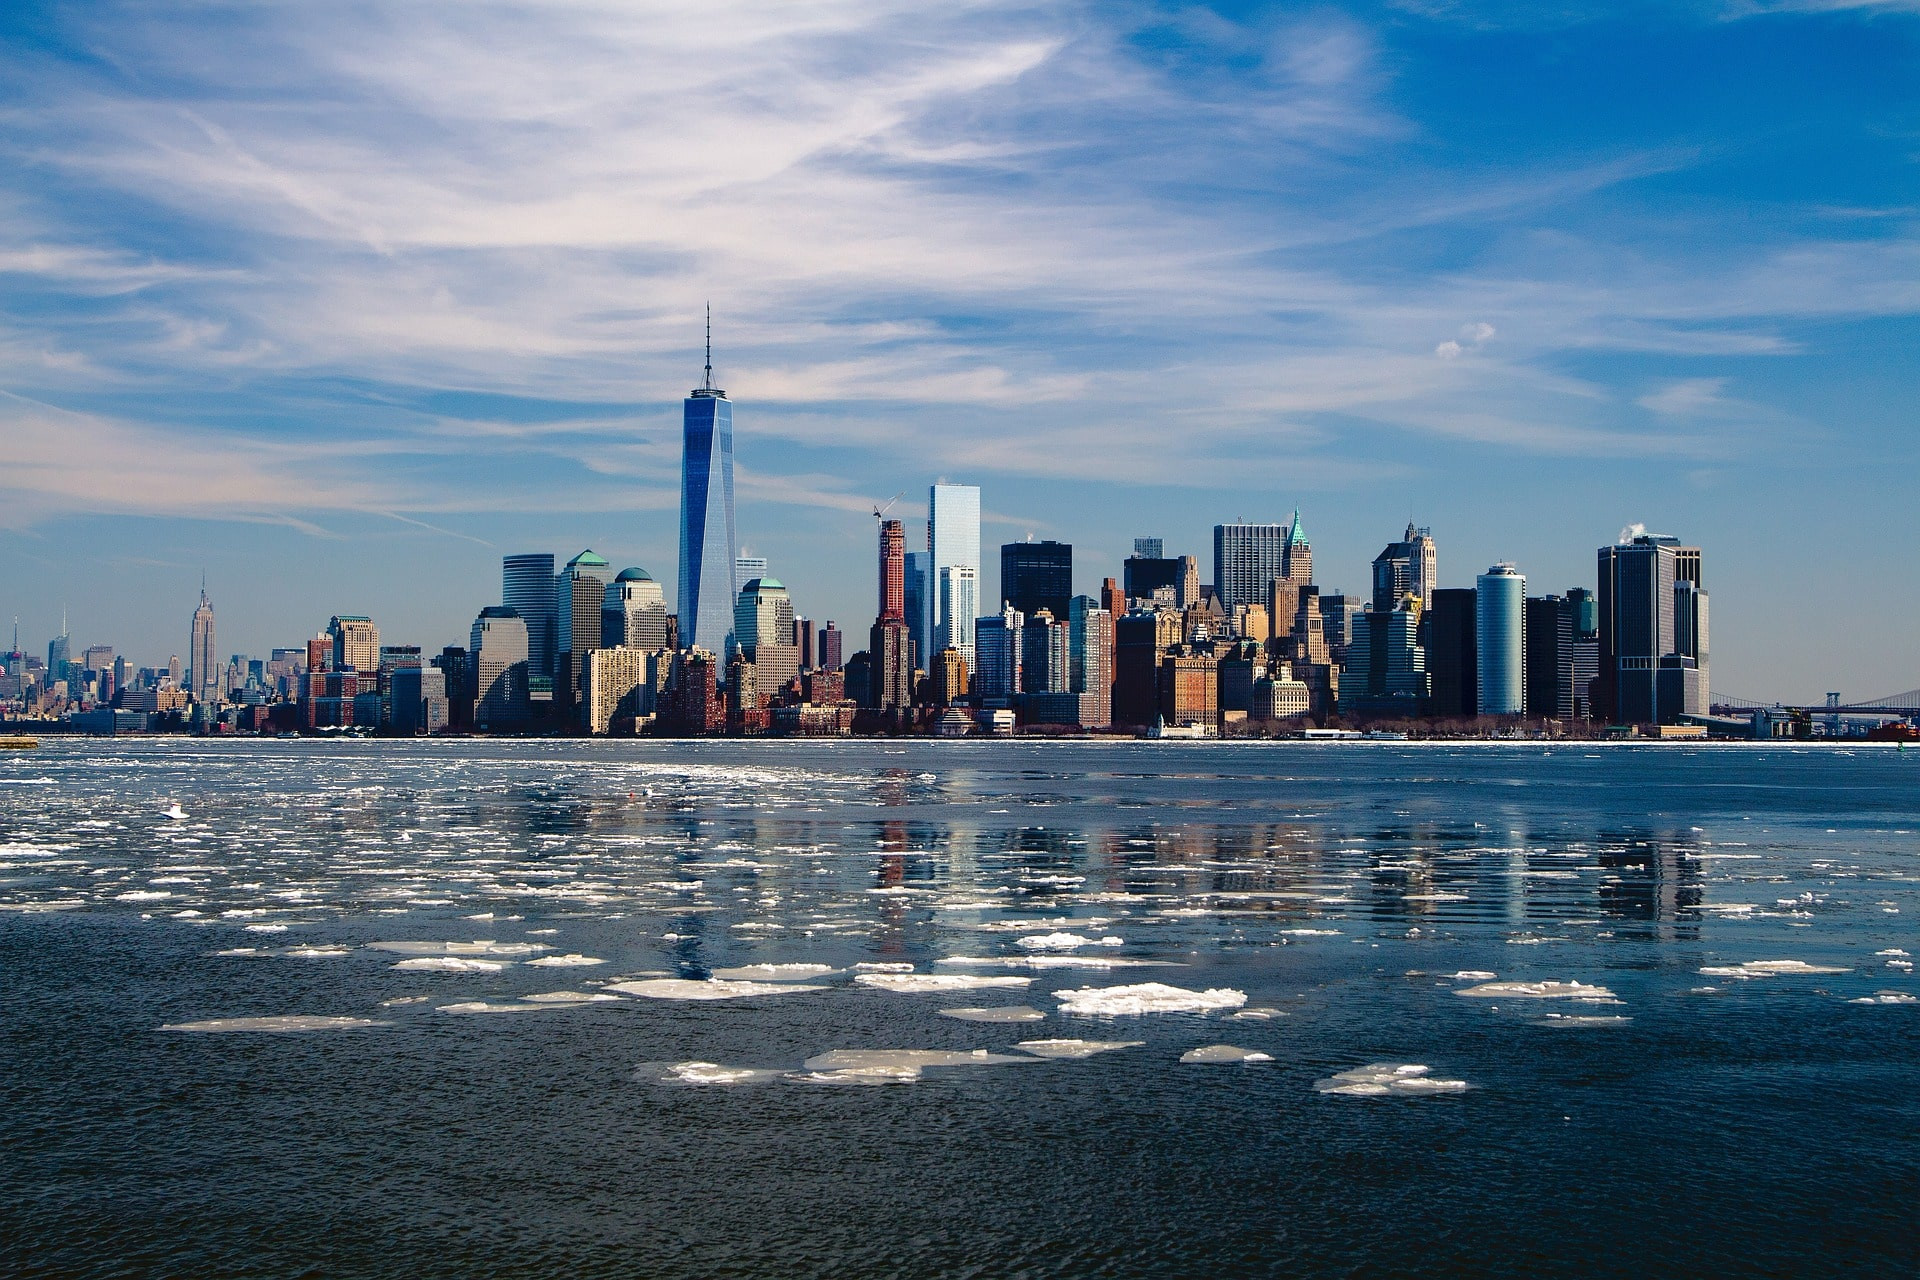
1036, 576
707, 590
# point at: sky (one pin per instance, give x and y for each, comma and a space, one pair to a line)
340, 303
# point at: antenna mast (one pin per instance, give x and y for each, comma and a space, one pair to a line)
709, 382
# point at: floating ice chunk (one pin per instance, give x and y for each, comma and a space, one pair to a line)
239, 951
1008, 1013
712, 989
481, 1006
450, 964
291, 1022
397, 1001
1259, 1014
1473, 975
175, 812
572, 960
882, 966
1310, 933
540, 933
701, 1074
1225, 1053
895, 1061
316, 953
266, 928
777, 972
918, 982
1064, 942
1388, 1080
1539, 991
1891, 951
1147, 997
143, 895
484, 947
1584, 1020
1887, 997
1074, 1048
1768, 969
1060, 962
860, 1075
571, 997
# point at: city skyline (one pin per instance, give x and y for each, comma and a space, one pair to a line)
1129, 273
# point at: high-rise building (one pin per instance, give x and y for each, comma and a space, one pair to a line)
1406, 569
634, 613
1189, 689
1089, 647
831, 646
893, 572
1246, 557
1309, 627
1550, 666
1148, 548
1299, 560
617, 691
579, 605
497, 649
957, 604
456, 671
1037, 575
948, 677
997, 641
1652, 636
1451, 654
1141, 638
356, 644
915, 590
1500, 641
526, 587
60, 652
203, 667
1045, 652
953, 567
1386, 672
803, 641
1585, 608
746, 568
706, 589
762, 616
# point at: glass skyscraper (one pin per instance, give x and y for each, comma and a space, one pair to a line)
707, 590
526, 587
953, 544
1500, 641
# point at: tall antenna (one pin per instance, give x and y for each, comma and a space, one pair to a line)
709, 383
63, 619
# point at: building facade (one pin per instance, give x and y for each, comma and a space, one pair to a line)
1037, 575
1500, 641
709, 549
953, 567
526, 587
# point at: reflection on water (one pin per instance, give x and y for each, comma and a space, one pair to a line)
1316, 908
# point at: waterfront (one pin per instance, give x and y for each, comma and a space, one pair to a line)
1661, 1120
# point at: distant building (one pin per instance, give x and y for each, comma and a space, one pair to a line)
1406, 569
763, 615
1036, 576
356, 642
1500, 641
830, 638
997, 642
526, 587
619, 689
456, 670
1045, 648
1140, 640
1550, 664
957, 602
1452, 659
893, 572
205, 671
952, 567
498, 651
634, 612
1585, 607
708, 546
1090, 648
917, 606
1386, 672
416, 701
1144, 578
1148, 548
1652, 634
579, 605
948, 677
1246, 557
1189, 690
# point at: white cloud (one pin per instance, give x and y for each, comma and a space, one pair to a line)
1686, 397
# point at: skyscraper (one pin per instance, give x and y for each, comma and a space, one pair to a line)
203, 669
832, 644
918, 606
1246, 557
953, 545
1407, 568
356, 644
998, 642
59, 651
526, 587
1090, 648
1045, 654
706, 590
1037, 575
497, 648
1452, 657
762, 616
579, 603
1652, 632
1550, 665
1500, 641
957, 603
1298, 566
893, 572
634, 612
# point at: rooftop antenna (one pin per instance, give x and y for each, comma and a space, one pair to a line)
709, 382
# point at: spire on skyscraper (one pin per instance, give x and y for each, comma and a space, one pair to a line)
708, 384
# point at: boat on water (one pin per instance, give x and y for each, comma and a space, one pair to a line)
1192, 730
18, 742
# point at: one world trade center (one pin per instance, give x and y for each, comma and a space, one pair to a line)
706, 456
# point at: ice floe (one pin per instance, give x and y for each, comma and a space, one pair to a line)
1582, 991
1006, 1013
451, 964
484, 947
572, 960
1886, 997
922, 982
1147, 997
1225, 1053
1074, 1048
711, 989
895, 1066
882, 966
533, 1003
1388, 1080
1769, 969
290, 1022
1059, 962
1064, 942
704, 1074
777, 972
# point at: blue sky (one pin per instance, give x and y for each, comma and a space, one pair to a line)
342, 302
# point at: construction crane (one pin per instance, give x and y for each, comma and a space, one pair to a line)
880, 513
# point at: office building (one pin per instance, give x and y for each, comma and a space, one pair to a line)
831, 640
1652, 632
497, 649
1407, 569
1298, 566
1045, 649
763, 615
746, 568
1141, 638
1146, 578
204, 670
579, 604
1386, 672
526, 587
997, 641
1089, 647
893, 572
708, 548
953, 567
1148, 548
947, 679
1037, 575
634, 613
416, 701
356, 643
1500, 641
1246, 557
1550, 664
915, 591
1452, 661
957, 602
1189, 689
